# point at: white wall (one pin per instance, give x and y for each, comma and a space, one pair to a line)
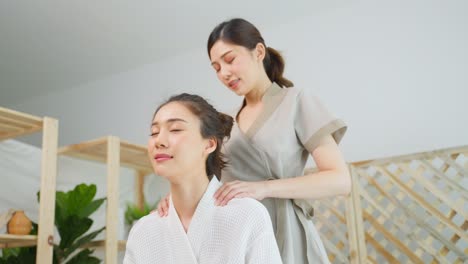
395, 71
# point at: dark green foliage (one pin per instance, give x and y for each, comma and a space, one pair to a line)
72, 211
133, 212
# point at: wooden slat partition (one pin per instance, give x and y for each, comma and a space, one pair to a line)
415, 207
330, 219
403, 209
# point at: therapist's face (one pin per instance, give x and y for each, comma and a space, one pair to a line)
237, 67
176, 147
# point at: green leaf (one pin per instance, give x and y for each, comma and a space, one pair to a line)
84, 256
34, 229
58, 254
72, 228
133, 212
24, 255
82, 241
80, 197
90, 208
78, 202
61, 211
7, 252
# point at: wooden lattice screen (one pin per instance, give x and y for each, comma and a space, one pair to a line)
405, 209
330, 221
335, 220
415, 207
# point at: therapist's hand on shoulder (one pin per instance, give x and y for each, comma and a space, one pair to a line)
163, 206
240, 189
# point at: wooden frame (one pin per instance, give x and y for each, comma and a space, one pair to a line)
14, 124
114, 153
413, 207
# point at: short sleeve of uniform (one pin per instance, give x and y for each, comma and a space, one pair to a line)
313, 121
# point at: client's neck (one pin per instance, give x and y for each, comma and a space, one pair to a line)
187, 195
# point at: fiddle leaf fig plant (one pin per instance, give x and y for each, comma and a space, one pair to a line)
72, 211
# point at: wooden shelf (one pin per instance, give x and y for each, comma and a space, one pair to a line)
14, 123
10, 241
131, 155
114, 153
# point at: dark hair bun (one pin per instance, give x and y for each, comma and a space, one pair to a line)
227, 122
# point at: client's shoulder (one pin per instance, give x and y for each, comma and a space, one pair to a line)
148, 222
148, 237
247, 208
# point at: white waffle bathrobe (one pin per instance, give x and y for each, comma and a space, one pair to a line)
240, 232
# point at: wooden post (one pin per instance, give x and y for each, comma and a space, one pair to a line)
46, 221
354, 222
140, 195
113, 174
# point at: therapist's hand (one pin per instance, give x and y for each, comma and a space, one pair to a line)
163, 206
240, 189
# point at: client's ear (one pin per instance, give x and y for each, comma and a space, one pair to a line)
211, 145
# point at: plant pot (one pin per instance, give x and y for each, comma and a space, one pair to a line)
19, 224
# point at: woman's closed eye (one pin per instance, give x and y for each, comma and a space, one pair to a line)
229, 60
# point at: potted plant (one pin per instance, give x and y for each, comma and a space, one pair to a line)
72, 211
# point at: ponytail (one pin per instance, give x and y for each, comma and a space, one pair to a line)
274, 67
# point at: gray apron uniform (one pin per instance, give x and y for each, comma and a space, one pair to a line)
277, 146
